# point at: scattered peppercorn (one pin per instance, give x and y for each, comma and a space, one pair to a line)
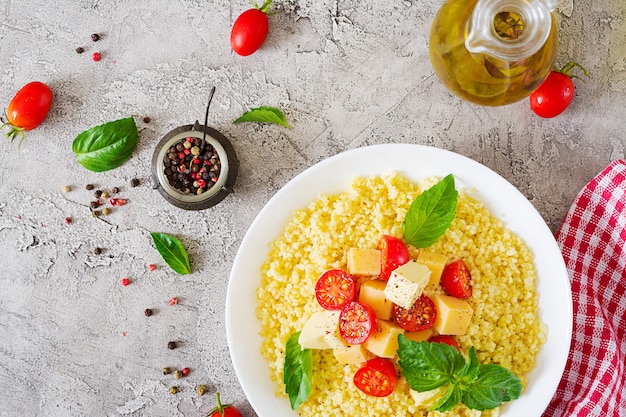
134, 182
97, 193
66, 189
95, 37
96, 56
171, 345
185, 371
173, 301
106, 211
148, 312
120, 202
146, 120
173, 390
94, 204
151, 267
97, 251
89, 186
178, 374
166, 371
68, 220
201, 389
125, 281
80, 50
115, 190
95, 213
104, 195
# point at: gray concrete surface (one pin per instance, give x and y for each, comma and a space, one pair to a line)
73, 341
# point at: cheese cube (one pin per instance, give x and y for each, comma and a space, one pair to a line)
321, 331
453, 315
350, 355
419, 336
364, 262
372, 293
436, 262
384, 341
407, 283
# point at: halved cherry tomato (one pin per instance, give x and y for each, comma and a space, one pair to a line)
28, 109
420, 316
456, 278
448, 340
377, 377
357, 321
335, 289
250, 30
393, 255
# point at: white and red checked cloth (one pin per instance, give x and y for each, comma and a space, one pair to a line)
592, 239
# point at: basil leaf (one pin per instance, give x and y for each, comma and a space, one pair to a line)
494, 386
172, 252
264, 114
430, 214
107, 146
449, 400
297, 371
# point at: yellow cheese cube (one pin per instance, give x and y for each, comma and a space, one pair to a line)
321, 331
384, 341
372, 293
419, 336
436, 262
354, 354
407, 283
364, 262
453, 315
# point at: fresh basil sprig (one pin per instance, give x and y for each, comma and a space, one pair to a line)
264, 114
107, 146
172, 251
297, 371
427, 366
430, 214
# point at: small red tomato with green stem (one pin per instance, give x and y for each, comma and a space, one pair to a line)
28, 109
556, 92
226, 410
250, 29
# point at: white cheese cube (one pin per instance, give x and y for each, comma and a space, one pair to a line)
321, 331
364, 262
372, 293
453, 315
407, 283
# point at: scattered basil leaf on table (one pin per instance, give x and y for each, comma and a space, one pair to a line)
107, 146
297, 371
172, 251
427, 366
264, 114
430, 214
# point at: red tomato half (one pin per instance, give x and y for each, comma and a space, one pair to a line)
357, 321
335, 289
28, 108
420, 316
377, 377
448, 340
250, 30
393, 255
553, 96
456, 278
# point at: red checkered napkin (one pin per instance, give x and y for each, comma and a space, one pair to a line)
592, 239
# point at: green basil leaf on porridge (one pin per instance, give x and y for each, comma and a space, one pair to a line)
494, 386
107, 146
430, 214
264, 114
297, 371
172, 251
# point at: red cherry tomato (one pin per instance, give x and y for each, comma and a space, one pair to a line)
394, 254
335, 289
556, 92
28, 108
377, 377
455, 280
226, 410
357, 321
448, 340
250, 30
420, 316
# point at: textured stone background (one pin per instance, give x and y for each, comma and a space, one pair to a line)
346, 73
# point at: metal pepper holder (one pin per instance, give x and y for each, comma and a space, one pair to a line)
225, 181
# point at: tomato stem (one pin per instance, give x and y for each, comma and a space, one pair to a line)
567, 69
265, 7
219, 408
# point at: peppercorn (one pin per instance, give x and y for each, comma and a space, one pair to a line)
104, 195
97, 251
68, 220
94, 204
106, 211
89, 186
95, 213
173, 390
166, 371
148, 312
66, 189
178, 374
96, 56
95, 37
201, 389
146, 120
115, 190
134, 182
171, 345
97, 193
185, 371
80, 50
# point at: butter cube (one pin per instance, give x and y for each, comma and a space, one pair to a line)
407, 283
372, 293
354, 354
453, 315
436, 262
321, 331
419, 336
364, 262
384, 341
